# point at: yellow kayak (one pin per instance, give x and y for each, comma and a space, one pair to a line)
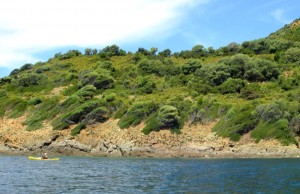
40, 158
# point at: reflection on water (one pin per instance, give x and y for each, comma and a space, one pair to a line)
144, 175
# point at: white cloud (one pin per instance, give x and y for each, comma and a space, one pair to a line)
279, 15
31, 26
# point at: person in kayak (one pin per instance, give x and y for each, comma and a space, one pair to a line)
44, 155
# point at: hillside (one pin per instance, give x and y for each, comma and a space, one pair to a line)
241, 94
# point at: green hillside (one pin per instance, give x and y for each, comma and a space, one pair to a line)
249, 87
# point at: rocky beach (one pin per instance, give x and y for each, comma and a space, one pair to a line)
108, 140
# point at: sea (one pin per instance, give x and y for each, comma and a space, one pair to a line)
148, 175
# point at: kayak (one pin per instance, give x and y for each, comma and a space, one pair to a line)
40, 158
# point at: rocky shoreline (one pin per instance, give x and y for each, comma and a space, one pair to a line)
108, 140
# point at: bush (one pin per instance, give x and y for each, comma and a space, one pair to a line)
278, 130
235, 123
191, 66
47, 109
147, 67
76, 130
250, 91
232, 86
99, 80
87, 92
294, 125
97, 115
18, 107
3, 93
292, 55
269, 113
27, 80
168, 117
136, 113
145, 85
35, 101
26, 67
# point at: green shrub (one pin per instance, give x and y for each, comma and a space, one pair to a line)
292, 55
77, 115
35, 101
232, 86
191, 66
46, 110
136, 113
294, 125
99, 80
76, 130
269, 112
278, 130
42, 69
70, 90
145, 85
17, 108
3, 93
110, 97
168, 117
87, 92
97, 115
28, 79
236, 122
250, 91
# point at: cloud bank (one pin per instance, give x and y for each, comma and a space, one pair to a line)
32, 26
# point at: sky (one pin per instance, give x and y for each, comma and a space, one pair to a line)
34, 30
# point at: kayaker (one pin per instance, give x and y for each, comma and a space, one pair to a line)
45, 155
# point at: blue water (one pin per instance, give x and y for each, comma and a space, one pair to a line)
144, 175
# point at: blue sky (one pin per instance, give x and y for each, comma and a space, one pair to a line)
35, 30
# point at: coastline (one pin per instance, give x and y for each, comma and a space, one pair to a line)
108, 140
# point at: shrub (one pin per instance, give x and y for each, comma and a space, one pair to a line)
110, 97
42, 69
100, 81
147, 67
97, 115
269, 113
145, 85
168, 117
35, 101
75, 116
136, 113
191, 66
27, 80
278, 130
292, 55
87, 92
76, 130
3, 93
294, 125
250, 91
47, 109
232, 86
236, 122
105, 65
26, 67
17, 107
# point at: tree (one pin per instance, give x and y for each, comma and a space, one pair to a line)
143, 51
88, 51
165, 53
153, 51
191, 66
